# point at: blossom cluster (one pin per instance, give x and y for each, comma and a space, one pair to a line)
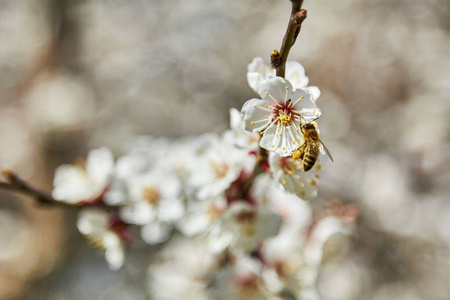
219, 202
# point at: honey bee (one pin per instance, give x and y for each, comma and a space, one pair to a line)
310, 147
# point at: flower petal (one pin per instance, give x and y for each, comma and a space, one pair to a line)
305, 105
295, 180
314, 91
156, 232
100, 164
295, 73
277, 88
256, 116
258, 72
280, 139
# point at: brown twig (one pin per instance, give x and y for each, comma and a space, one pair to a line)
279, 58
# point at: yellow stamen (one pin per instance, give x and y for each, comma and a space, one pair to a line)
313, 182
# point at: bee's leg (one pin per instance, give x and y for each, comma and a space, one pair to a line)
297, 153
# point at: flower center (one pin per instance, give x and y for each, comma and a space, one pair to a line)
287, 165
245, 216
246, 220
221, 169
214, 211
285, 114
151, 195
283, 268
247, 283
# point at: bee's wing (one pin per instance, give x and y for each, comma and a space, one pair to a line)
324, 149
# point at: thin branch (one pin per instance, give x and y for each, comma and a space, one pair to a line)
279, 58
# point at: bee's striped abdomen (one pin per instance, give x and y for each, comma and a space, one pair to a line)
310, 157
308, 161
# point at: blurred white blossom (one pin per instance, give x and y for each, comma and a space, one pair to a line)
75, 183
105, 231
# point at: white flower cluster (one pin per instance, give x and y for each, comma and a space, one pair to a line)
246, 232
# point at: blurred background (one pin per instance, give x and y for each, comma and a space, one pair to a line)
75, 75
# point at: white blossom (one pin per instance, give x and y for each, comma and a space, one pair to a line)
154, 202
290, 175
278, 115
241, 138
201, 215
286, 268
217, 167
106, 232
182, 270
75, 184
243, 226
242, 281
258, 71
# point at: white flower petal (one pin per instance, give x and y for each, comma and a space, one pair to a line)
235, 119
92, 222
115, 257
256, 116
276, 88
193, 224
156, 232
170, 210
138, 213
280, 139
295, 73
100, 164
315, 92
116, 193
306, 105
72, 185
258, 72
294, 179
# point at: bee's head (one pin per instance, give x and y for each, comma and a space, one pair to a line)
308, 126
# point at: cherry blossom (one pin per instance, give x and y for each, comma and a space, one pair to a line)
243, 226
258, 71
105, 231
155, 203
291, 177
75, 183
278, 115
